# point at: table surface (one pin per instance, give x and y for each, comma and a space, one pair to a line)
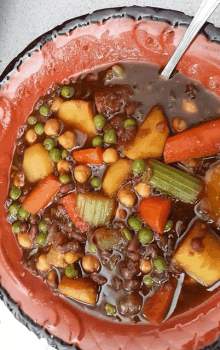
21, 21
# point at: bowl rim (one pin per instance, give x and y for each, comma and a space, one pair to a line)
135, 12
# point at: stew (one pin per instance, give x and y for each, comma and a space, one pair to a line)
114, 192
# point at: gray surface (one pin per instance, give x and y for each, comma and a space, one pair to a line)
21, 21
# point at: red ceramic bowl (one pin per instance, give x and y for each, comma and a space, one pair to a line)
109, 36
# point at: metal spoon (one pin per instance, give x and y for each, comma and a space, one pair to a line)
204, 12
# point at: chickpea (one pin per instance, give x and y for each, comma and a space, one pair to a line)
127, 197
52, 127
82, 173
189, 107
19, 179
90, 263
56, 105
30, 136
67, 139
179, 124
42, 263
24, 240
71, 257
192, 164
110, 156
52, 278
63, 166
121, 214
145, 266
143, 190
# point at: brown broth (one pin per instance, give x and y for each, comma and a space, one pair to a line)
148, 90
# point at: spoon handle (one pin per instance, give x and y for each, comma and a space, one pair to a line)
204, 12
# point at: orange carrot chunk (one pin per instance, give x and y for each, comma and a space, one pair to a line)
90, 155
69, 203
200, 141
155, 211
157, 305
42, 194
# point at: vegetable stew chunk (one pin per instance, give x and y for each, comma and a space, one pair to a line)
110, 100
95, 209
37, 163
82, 289
115, 176
157, 305
79, 115
212, 180
198, 254
151, 136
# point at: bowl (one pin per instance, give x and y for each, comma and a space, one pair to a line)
123, 34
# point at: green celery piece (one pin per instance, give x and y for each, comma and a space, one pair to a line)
89, 211
94, 208
175, 182
81, 199
109, 210
97, 219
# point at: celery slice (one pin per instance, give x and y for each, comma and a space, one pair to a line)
95, 208
175, 182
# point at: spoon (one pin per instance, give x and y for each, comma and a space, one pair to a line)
204, 12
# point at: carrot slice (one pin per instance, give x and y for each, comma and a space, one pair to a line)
90, 155
155, 211
42, 194
69, 203
200, 141
157, 305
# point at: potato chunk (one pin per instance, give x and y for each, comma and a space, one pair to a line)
199, 254
79, 115
82, 289
56, 258
151, 136
212, 180
37, 164
115, 176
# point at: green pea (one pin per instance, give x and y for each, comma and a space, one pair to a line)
138, 166
32, 120
99, 121
15, 193
134, 223
95, 182
92, 248
24, 214
159, 264
70, 271
14, 209
129, 122
110, 309
148, 281
110, 136
168, 226
145, 235
67, 91
127, 234
64, 154
55, 155
97, 141
64, 179
16, 227
39, 129
44, 110
42, 226
49, 144
41, 238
